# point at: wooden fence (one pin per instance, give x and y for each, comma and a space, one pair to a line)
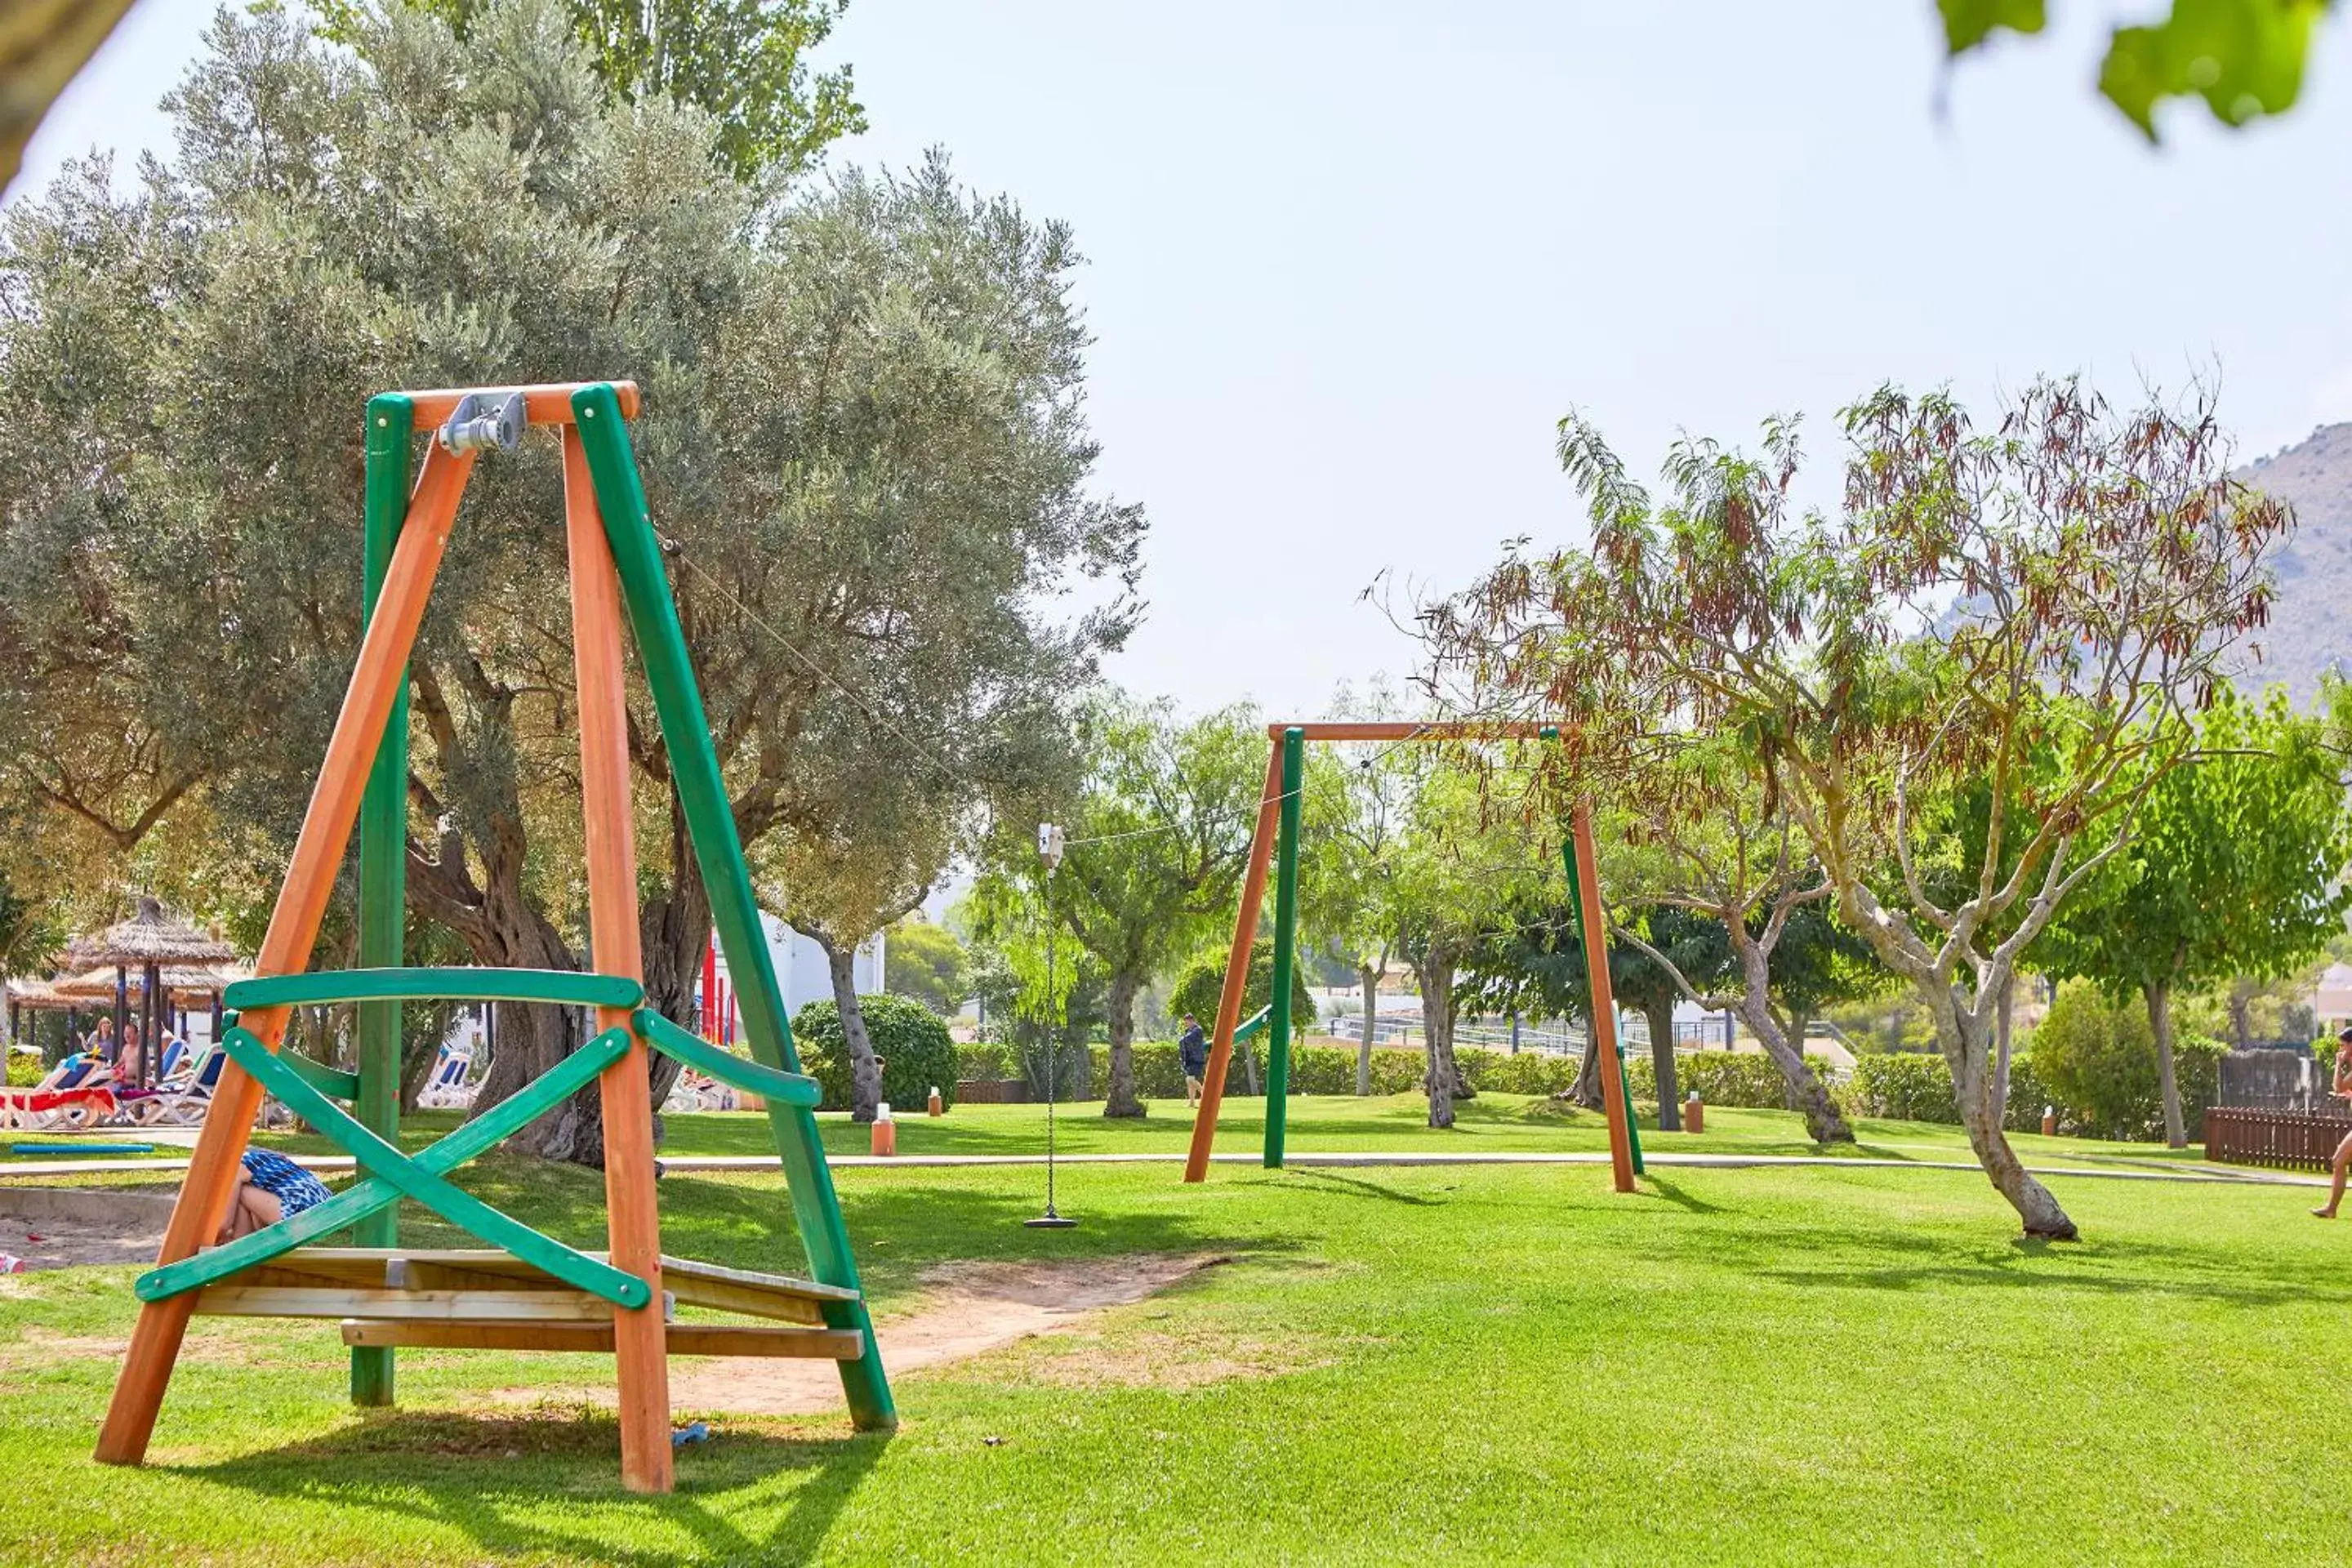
2287, 1138
991, 1092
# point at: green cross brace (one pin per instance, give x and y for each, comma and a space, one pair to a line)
683, 1045
564, 987
502, 1121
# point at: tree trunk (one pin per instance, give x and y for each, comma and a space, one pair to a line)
864, 1072
1119, 1098
1586, 1091
2241, 1017
1807, 1094
672, 931
2160, 1019
2004, 1007
1660, 1015
1435, 972
1970, 1061
533, 1037
1370, 978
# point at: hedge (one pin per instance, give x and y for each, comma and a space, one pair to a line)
912, 1041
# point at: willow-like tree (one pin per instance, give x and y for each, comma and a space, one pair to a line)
2071, 582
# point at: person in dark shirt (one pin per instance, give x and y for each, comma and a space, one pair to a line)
1192, 1050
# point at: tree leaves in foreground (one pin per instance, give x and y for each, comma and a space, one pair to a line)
2244, 57
2037, 608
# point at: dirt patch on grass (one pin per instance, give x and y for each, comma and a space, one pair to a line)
1154, 1360
966, 1309
62, 1242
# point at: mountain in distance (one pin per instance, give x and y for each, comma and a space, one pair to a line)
2310, 629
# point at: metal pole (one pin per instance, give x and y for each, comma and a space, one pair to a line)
1286, 945
1049, 848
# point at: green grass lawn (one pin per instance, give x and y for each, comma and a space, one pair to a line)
1334, 1123
1481, 1363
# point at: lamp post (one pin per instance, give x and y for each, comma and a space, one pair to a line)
1050, 845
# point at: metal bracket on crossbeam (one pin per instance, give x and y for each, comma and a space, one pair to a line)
482, 420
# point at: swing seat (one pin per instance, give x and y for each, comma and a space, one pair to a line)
486, 1299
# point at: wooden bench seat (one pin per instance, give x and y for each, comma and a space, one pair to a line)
486, 1299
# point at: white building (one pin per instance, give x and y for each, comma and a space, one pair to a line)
801, 969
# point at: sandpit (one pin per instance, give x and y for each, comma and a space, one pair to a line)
966, 1309
58, 1228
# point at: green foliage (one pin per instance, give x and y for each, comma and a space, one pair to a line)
1201, 982
29, 935
985, 1060
745, 62
2096, 1061
24, 1069
917, 1054
1902, 1088
1967, 22
1719, 1077
925, 962
2243, 57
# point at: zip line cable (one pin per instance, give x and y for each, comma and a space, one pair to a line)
931, 758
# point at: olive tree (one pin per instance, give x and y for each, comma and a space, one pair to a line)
2071, 582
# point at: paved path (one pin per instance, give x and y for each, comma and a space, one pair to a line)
2144, 1171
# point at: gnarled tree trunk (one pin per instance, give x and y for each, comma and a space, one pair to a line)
1825, 1123
1968, 1051
1586, 1091
1369, 978
1119, 1097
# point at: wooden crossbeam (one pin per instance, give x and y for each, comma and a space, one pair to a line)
681, 1339
358, 1301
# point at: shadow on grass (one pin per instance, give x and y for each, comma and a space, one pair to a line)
1343, 1185
428, 1467
1674, 1194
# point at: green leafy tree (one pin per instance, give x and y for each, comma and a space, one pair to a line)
925, 962
2244, 57
1156, 842
2234, 867
745, 62
863, 440
1456, 869
1201, 984
2068, 585
1353, 819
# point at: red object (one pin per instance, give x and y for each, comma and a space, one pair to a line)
49, 1100
710, 991
886, 1137
936, 1109
1694, 1114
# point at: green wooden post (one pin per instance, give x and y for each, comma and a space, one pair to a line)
718, 850
1624, 1079
384, 852
1286, 943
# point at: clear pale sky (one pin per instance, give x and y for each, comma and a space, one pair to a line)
1350, 261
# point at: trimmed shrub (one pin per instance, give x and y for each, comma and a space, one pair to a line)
912, 1041
985, 1059
1743, 1079
1907, 1087
24, 1069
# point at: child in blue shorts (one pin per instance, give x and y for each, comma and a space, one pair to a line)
268, 1188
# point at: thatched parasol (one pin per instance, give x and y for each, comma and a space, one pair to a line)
151, 941
97, 984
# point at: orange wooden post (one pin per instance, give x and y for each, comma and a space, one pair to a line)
640, 1338
1237, 960
285, 949
1605, 1001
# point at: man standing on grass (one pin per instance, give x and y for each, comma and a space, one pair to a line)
1193, 1051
